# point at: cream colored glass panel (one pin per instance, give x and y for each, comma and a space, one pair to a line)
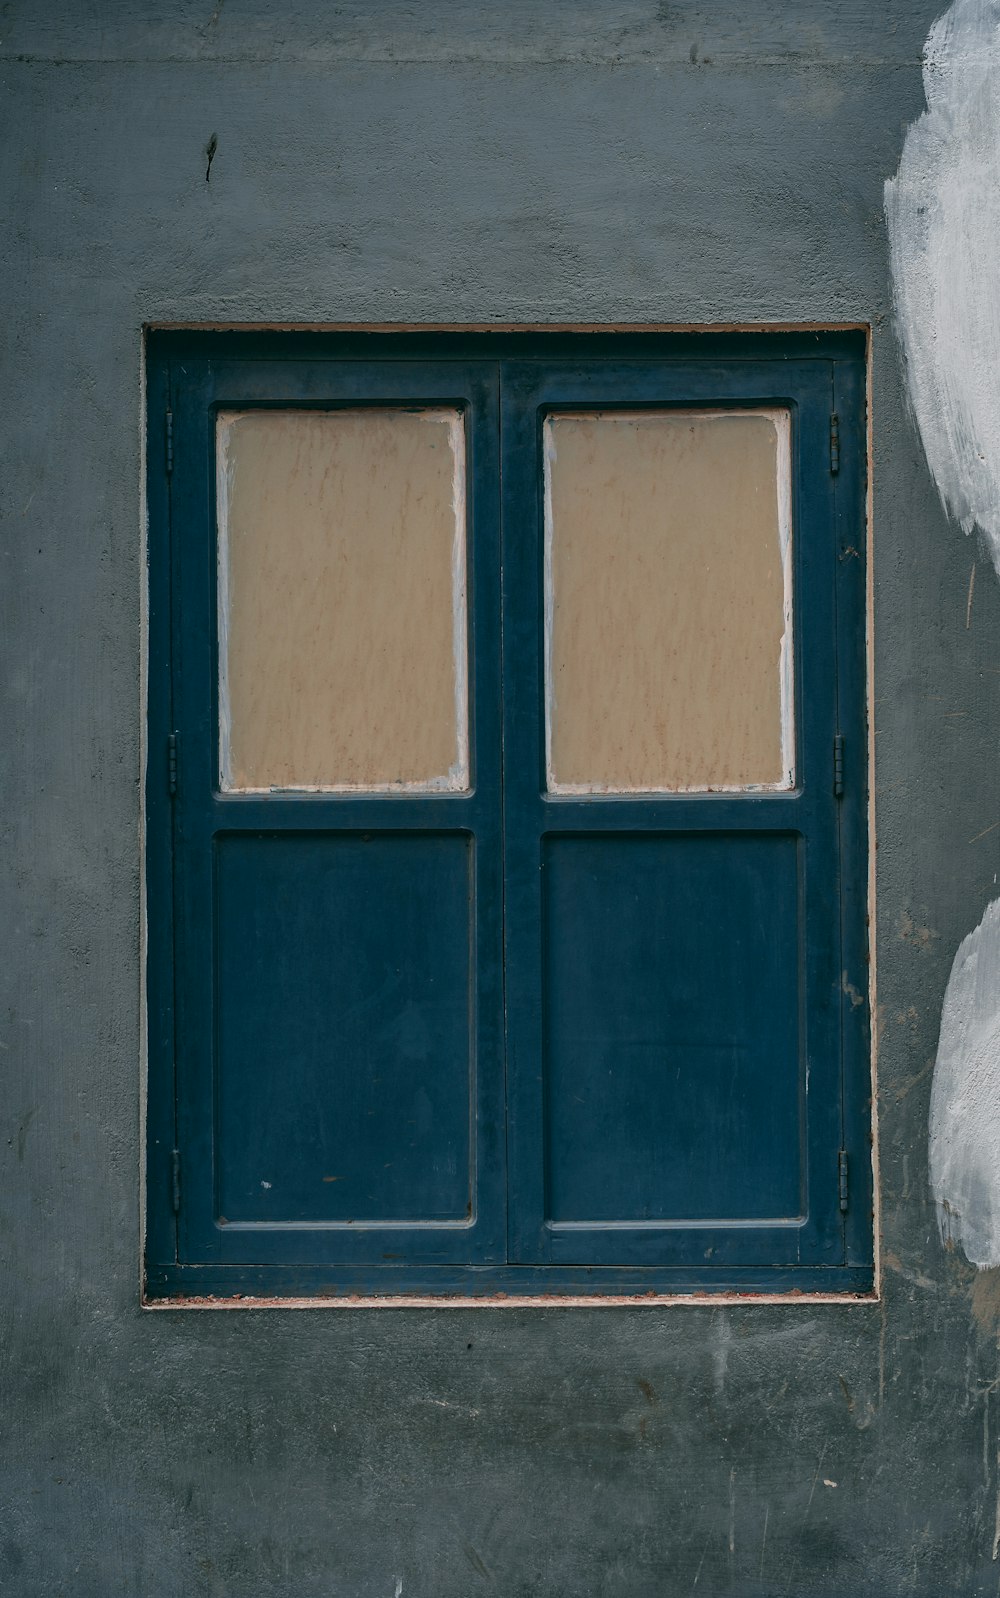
668, 601
342, 612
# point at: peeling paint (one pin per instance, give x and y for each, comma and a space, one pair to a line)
943, 211
965, 1098
943, 214
985, 1301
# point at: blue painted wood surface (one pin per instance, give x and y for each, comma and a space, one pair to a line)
363, 1007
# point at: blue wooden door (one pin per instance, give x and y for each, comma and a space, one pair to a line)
339, 1044
582, 1010
673, 959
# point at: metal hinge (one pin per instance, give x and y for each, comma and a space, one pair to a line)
170, 442
172, 763
842, 1178
838, 765
175, 1180
834, 443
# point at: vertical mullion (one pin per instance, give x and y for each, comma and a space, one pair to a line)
488, 1107
176, 1189
193, 554
161, 1132
816, 672
522, 817
850, 578
498, 489
840, 717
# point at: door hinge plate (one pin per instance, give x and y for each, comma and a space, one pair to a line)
172, 764
169, 440
838, 765
175, 1180
842, 1179
834, 443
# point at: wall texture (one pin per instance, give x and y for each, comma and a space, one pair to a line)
557, 162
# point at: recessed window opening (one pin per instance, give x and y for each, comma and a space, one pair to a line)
506, 816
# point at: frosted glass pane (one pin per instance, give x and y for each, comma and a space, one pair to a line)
668, 601
342, 612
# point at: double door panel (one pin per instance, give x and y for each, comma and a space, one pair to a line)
506, 871
337, 825
672, 848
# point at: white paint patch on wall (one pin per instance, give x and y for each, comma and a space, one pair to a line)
943, 211
965, 1098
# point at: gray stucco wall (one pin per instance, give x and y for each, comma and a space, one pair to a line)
589, 162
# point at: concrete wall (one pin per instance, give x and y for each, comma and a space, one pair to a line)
598, 161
